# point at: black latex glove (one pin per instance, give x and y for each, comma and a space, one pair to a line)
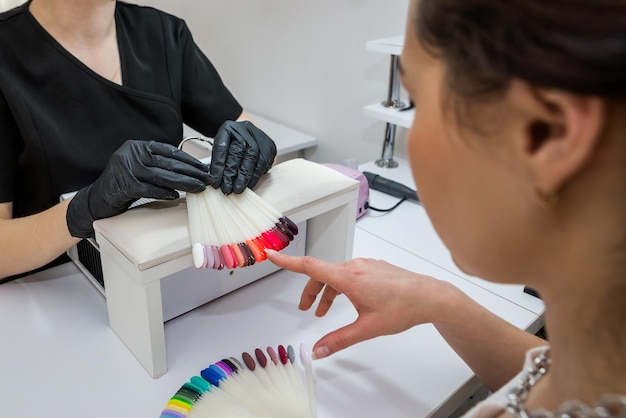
242, 153
137, 169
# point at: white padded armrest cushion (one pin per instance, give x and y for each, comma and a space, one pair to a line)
158, 232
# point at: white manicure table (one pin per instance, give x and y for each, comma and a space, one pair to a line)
60, 355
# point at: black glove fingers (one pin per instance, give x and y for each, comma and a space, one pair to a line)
247, 168
180, 167
221, 145
266, 155
242, 153
243, 129
157, 192
150, 182
136, 169
170, 180
158, 149
233, 162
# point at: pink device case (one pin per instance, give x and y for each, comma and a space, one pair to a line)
364, 190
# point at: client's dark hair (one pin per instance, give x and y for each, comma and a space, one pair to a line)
574, 45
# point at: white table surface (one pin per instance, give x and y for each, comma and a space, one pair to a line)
59, 354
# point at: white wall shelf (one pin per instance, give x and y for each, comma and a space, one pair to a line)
398, 117
391, 46
390, 109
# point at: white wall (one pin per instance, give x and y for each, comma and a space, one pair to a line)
9, 4
304, 64
171, 6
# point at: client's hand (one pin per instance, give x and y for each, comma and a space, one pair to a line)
242, 153
388, 299
137, 169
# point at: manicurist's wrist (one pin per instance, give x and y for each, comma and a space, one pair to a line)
78, 216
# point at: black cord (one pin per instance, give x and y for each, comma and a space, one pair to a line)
367, 206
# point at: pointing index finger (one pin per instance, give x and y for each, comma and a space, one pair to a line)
314, 268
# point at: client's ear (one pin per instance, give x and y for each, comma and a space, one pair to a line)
562, 130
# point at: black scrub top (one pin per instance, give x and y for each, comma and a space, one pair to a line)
60, 121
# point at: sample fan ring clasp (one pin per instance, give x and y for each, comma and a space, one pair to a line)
197, 138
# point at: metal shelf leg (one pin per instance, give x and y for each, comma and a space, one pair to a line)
393, 100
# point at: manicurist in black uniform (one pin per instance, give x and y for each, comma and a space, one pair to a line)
93, 97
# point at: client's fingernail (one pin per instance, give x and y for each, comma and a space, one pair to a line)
270, 251
320, 352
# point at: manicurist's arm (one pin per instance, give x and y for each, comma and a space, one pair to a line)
390, 300
137, 169
33, 241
